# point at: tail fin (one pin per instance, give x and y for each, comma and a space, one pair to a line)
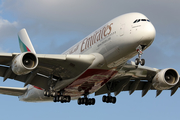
24, 42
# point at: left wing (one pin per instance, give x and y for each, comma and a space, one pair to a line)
132, 77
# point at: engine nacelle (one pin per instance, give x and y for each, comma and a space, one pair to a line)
165, 79
24, 63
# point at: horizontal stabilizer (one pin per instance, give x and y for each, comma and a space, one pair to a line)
13, 91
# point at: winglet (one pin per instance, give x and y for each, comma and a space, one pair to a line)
25, 42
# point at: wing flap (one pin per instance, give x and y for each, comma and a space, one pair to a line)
38, 80
13, 91
6, 58
140, 86
66, 66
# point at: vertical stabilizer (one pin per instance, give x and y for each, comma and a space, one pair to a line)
24, 42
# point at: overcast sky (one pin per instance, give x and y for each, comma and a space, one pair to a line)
55, 25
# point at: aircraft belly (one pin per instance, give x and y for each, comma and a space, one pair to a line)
89, 82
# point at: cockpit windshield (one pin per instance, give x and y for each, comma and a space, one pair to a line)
138, 20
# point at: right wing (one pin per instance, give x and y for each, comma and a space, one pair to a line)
43, 67
13, 91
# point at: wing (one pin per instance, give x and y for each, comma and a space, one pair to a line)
131, 78
13, 91
66, 66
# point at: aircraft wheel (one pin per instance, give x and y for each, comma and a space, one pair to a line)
48, 94
54, 99
79, 101
142, 62
107, 99
90, 102
137, 61
82, 100
93, 101
86, 102
57, 98
104, 98
113, 100
45, 93
68, 98
53, 94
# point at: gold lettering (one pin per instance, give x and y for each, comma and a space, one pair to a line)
89, 41
82, 49
99, 35
110, 28
104, 31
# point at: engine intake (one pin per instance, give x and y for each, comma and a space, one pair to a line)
24, 63
29, 60
165, 79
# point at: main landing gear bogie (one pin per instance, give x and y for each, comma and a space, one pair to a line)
57, 97
50, 93
86, 101
62, 99
109, 99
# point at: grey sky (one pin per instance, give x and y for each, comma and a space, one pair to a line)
86, 16
61, 23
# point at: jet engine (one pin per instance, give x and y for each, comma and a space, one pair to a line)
165, 79
24, 63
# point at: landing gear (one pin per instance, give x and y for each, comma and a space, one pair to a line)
50, 93
86, 101
109, 99
62, 99
58, 96
139, 60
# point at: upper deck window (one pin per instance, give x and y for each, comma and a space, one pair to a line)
138, 20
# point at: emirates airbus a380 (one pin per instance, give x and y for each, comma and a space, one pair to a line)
97, 64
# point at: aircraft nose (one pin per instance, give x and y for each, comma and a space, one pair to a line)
149, 34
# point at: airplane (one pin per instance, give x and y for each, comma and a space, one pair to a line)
99, 64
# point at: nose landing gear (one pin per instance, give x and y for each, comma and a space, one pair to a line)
140, 52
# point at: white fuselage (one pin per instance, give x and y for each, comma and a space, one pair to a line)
116, 42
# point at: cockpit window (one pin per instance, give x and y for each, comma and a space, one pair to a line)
138, 20
135, 21
143, 19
